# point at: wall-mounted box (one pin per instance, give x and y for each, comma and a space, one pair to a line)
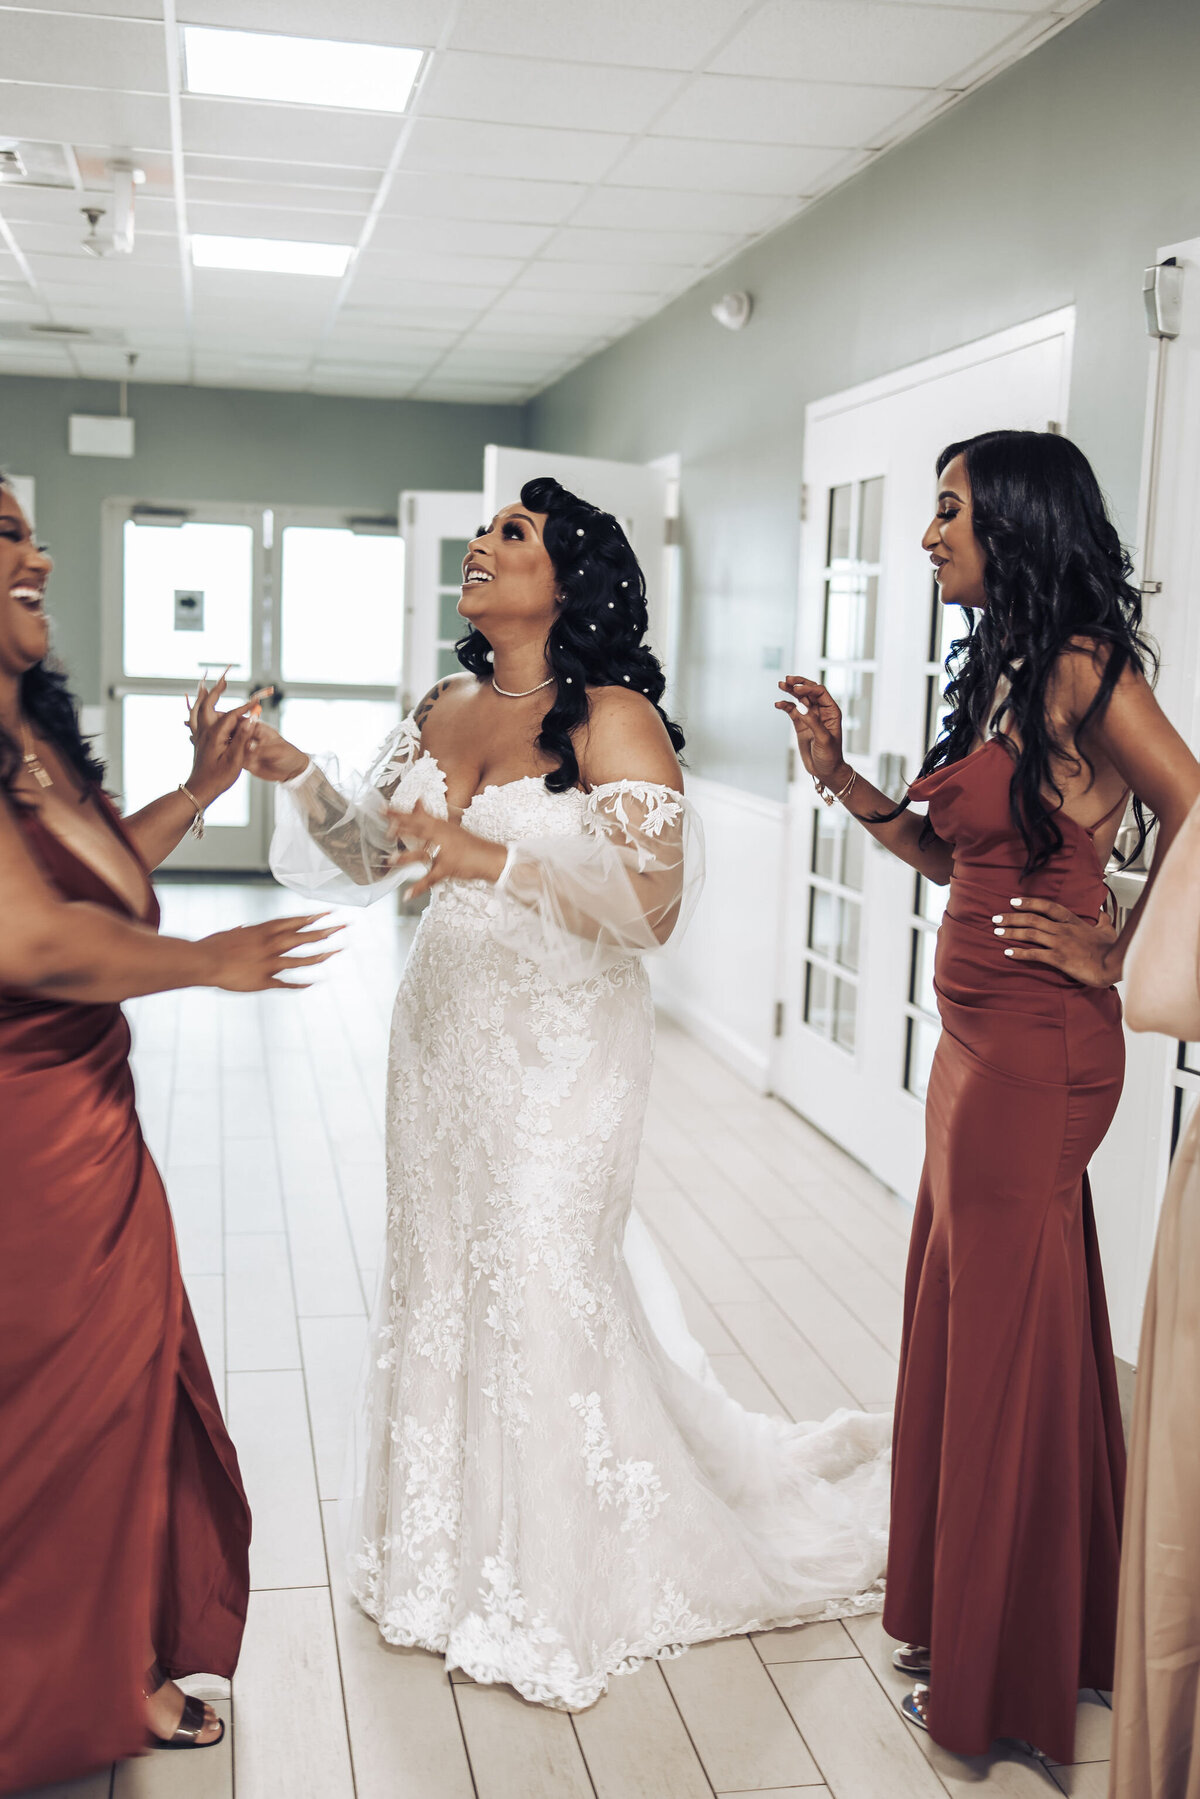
88, 435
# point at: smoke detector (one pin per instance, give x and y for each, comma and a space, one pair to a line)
733, 311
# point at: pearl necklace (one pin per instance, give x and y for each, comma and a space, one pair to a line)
496, 688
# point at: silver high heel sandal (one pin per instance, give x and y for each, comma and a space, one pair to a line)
191, 1723
915, 1705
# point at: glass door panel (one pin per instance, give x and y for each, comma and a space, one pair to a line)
352, 730
156, 754
341, 618
188, 599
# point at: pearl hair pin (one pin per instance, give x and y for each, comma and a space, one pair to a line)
579, 532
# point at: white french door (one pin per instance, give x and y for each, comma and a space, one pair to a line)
307, 601
858, 1016
437, 530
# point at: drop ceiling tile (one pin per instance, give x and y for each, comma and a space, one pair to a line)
739, 108
266, 221
459, 147
474, 196
67, 241
248, 128
512, 90
99, 363
676, 209
408, 313
85, 115
1025, 6
671, 34
569, 340
33, 359
405, 22
692, 248
349, 342
93, 159
472, 237
629, 277
551, 326
881, 41
492, 272
262, 171
377, 286
122, 9
466, 393
283, 197
497, 364
727, 168
602, 312
84, 52
374, 368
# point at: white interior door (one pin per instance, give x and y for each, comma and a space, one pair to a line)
437, 530
1162, 1079
641, 495
858, 1015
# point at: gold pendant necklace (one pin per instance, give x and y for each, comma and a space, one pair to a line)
32, 762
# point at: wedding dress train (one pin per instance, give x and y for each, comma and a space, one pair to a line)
552, 1485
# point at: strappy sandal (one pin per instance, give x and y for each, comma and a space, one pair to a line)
191, 1723
915, 1705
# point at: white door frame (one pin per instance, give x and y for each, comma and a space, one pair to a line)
836, 1081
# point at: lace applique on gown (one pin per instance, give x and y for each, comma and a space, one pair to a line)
552, 1484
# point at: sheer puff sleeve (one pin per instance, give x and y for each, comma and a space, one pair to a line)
330, 841
577, 905
1162, 969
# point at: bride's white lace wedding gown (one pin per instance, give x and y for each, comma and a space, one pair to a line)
552, 1483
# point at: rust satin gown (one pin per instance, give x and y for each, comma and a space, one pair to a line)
122, 1514
1008, 1454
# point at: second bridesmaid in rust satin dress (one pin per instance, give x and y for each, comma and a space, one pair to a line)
1008, 1456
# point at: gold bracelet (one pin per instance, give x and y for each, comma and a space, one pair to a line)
197, 825
849, 784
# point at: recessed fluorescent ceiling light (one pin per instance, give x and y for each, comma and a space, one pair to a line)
269, 255
308, 71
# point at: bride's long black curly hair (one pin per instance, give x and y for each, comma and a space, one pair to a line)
596, 639
1055, 571
51, 708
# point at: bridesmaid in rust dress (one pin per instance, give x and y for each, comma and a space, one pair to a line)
123, 1524
1008, 1456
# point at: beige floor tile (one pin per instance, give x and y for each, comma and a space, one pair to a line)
520, 1751
738, 1375
251, 1182
710, 1262
333, 1350
807, 1792
181, 1773
636, 1744
741, 1730
1093, 1729
260, 1314
806, 1386
857, 1357
404, 1732
324, 1271
1087, 1780
702, 1320
290, 1741
268, 1421
805, 1643
859, 1741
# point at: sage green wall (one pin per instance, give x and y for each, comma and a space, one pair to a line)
1055, 184
206, 444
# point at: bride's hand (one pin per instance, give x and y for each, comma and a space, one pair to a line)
447, 851
817, 721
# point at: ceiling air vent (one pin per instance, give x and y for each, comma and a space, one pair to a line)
27, 163
61, 334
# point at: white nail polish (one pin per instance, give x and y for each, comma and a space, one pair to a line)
999, 931
1008, 952
1016, 902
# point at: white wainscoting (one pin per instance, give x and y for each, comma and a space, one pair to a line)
719, 982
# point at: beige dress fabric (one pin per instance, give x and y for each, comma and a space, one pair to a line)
1156, 1729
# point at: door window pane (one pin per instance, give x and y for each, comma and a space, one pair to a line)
352, 730
448, 664
850, 617
840, 507
921, 991
845, 1005
931, 900
853, 689
922, 1042
870, 519
817, 994
451, 623
820, 921
210, 568
451, 555
341, 614
157, 755
849, 913
854, 840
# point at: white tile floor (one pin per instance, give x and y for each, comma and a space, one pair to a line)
266, 1116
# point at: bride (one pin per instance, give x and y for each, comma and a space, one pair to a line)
552, 1484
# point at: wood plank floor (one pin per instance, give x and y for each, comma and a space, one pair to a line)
266, 1116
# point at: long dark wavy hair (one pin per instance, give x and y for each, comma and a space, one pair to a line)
51, 708
1055, 570
596, 639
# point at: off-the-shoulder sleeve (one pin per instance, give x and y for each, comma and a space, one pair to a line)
1162, 969
627, 883
330, 841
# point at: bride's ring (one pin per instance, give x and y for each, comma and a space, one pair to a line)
432, 852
